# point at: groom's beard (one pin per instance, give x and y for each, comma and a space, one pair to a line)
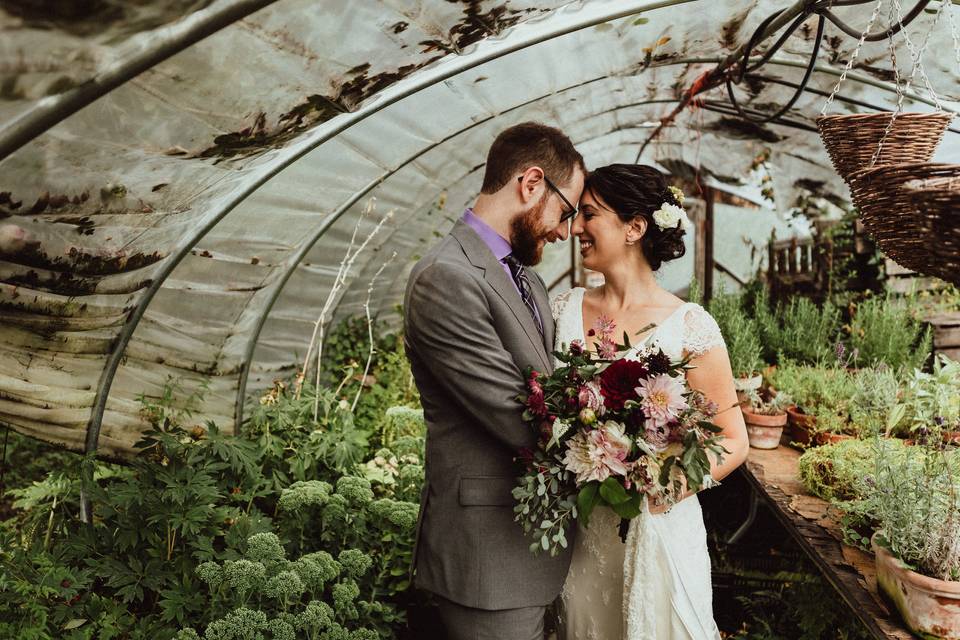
528, 235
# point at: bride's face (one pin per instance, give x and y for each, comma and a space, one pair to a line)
602, 234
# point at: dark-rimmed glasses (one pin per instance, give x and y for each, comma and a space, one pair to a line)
571, 210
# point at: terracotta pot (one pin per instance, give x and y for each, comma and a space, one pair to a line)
930, 607
764, 431
951, 437
822, 437
801, 426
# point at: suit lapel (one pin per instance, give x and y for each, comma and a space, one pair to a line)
481, 257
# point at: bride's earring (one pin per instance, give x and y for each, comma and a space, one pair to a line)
631, 242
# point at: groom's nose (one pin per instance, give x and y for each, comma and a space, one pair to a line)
562, 230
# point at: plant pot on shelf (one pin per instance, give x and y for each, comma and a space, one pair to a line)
764, 431
930, 607
744, 386
801, 427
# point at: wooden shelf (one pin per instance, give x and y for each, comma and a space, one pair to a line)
773, 474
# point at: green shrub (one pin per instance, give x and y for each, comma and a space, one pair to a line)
197, 504
826, 393
740, 333
884, 330
916, 504
402, 421
837, 471
806, 332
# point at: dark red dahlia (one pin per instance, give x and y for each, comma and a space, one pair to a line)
618, 381
658, 362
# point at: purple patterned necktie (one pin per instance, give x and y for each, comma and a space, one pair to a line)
526, 294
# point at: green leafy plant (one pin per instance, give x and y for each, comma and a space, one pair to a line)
806, 331
931, 401
820, 391
916, 504
885, 330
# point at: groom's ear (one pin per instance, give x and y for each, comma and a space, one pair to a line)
530, 181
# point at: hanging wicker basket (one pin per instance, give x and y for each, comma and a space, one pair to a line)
891, 212
939, 199
851, 140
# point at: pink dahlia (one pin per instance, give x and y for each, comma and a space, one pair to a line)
661, 399
598, 453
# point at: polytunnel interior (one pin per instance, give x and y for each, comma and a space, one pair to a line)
188, 221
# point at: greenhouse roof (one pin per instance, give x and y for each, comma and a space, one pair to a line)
179, 181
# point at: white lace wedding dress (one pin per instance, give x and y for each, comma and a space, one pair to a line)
657, 585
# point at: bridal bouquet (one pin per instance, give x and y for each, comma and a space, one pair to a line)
611, 431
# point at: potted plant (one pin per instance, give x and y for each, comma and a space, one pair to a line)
765, 419
916, 503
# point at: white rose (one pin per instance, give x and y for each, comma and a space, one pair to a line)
668, 215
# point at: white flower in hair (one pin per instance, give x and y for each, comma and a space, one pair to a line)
669, 215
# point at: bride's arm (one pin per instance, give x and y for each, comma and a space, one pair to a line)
713, 377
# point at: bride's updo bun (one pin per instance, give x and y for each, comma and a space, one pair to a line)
639, 190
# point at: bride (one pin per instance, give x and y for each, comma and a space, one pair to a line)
656, 585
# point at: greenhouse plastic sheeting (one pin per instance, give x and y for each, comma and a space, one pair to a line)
189, 223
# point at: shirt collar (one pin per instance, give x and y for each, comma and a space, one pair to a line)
498, 245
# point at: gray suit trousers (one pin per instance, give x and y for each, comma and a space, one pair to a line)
468, 623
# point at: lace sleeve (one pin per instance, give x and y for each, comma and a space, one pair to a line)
701, 332
559, 303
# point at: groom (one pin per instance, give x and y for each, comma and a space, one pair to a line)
475, 318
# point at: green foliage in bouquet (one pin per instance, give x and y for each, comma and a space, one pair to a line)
888, 331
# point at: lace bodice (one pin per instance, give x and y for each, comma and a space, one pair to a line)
689, 330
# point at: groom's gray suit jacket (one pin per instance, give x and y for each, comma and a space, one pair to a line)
469, 337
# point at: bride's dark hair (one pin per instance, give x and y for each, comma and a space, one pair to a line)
639, 190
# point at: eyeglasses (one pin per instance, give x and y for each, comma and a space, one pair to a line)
571, 210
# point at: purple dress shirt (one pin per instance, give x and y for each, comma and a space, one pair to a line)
500, 248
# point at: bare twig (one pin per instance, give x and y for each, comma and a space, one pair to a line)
366, 310
318, 325
346, 265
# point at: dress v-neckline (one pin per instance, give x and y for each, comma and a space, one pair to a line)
643, 341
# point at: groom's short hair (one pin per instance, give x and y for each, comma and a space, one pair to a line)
529, 144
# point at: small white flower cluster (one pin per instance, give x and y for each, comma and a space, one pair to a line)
668, 216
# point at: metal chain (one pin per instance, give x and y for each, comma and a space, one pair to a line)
896, 83
853, 57
953, 33
917, 55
